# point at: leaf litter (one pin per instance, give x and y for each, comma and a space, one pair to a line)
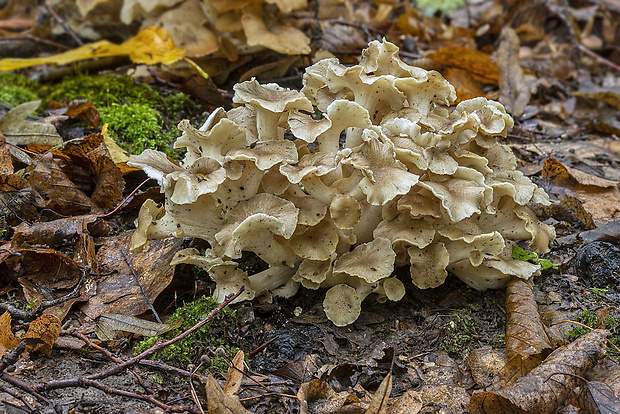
64, 260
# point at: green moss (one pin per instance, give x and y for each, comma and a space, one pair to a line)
590, 319
186, 350
104, 91
12, 96
458, 333
138, 116
16, 79
137, 126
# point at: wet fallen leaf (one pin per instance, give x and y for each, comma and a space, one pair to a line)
598, 398
43, 274
105, 179
611, 96
514, 92
109, 323
486, 364
19, 131
59, 232
6, 162
299, 370
7, 339
601, 197
82, 109
234, 375
609, 233
42, 333
317, 392
408, 403
547, 385
220, 402
63, 196
527, 343
117, 290
379, 402
150, 46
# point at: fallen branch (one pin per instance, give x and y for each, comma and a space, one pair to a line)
91, 380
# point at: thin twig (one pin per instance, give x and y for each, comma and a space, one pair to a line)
22, 315
23, 385
124, 201
75, 382
599, 58
63, 24
17, 395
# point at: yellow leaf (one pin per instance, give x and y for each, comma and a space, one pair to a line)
150, 46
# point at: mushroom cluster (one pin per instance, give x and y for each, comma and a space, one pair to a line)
333, 186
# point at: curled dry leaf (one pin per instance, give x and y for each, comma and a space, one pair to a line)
42, 334
117, 291
109, 323
379, 402
234, 375
601, 197
7, 339
220, 402
514, 92
527, 343
547, 385
598, 398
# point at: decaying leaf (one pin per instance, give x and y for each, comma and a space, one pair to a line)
220, 402
59, 232
486, 364
7, 339
318, 392
42, 333
17, 130
234, 375
547, 385
117, 291
601, 197
479, 64
515, 93
527, 343
43, 273
109, 323
598, 398
379, 402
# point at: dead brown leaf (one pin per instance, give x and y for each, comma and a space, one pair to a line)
42, 333
479, 64
601, 197
527, 343
514, 92
379, 402
598, 398
220, 402
7, 339
117, 291
547, 385
91, 154
234, 375
486, 364
82, 109
63, 195
59, 232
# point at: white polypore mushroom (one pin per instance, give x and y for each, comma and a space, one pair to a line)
428, 265
266, 154
270, 102
384, 176
213, 139
461, 195
404, 228
252, 224
345, 211
370, 261
227, 276
317, 242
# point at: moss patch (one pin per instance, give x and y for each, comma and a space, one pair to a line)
204, 341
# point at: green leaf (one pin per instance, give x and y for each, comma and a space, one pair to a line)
529, 256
